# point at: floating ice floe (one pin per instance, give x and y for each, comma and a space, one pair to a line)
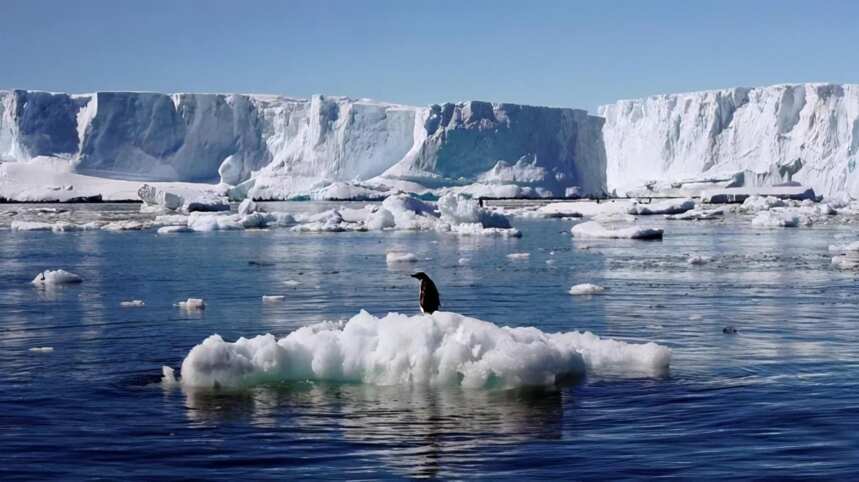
592, 229
273, 298
698, 260
400, 257
778, 219
848, 257
132, 304
586, 289
519, 256
697, 215
439, 349
57, 227
192, 304
42, 349
56, 277
669, 206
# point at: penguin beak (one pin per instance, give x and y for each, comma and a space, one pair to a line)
413, 275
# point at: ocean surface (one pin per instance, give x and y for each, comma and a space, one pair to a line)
779, 399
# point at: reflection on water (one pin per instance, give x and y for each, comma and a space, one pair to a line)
409, 428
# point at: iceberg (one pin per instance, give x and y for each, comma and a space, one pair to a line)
741, 137
275, 147
439, 349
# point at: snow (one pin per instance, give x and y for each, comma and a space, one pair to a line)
439, 349
400, 257
56, 277
192, 304
592, 229
586, 289
764, 136
587, 208
132, 304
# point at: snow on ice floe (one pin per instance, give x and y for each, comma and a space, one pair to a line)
56, 277
132, 304
592, 229
586, 289
439, 349
192, 304
697, 215
393, 257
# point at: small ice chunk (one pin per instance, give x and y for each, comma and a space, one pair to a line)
56, 277
519, 256
192, 304
773, 219
400, 257
273, 298
586, 289
291, 282
131, 304
30, 226
697, 260
463, 261
168, 375
42, 349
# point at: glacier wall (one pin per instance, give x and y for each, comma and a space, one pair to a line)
806, 133
293, 145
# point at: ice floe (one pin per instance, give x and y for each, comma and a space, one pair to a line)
273, 298
42, 349
592, 229
439, 349
132, 304
586, 289
848, 257
192, 304
668, 206
56, 277
400, 257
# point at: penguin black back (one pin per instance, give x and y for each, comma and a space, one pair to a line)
429, 299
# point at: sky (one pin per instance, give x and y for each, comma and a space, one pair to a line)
564, 53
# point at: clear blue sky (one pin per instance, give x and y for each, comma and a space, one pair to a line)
563, 53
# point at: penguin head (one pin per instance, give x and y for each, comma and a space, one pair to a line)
420, 275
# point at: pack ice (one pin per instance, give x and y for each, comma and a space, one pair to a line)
439, 349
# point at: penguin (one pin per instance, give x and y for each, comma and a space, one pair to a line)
429, 299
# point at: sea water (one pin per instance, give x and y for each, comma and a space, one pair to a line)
779, 398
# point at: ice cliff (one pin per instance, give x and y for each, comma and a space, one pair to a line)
805, 133
279, 147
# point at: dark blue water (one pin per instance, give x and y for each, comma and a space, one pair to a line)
780, 399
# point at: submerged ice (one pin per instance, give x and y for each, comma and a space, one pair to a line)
440, 349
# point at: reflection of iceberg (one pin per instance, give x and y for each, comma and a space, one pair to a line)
411, 429
444, 349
